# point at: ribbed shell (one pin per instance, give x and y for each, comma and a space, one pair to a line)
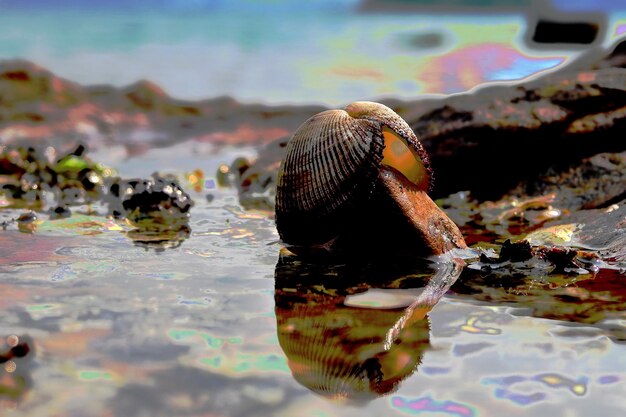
338, 352
330, 167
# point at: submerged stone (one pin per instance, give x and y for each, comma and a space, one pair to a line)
155, 203
37, 178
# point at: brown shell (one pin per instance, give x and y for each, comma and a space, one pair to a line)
338, 351
331, 167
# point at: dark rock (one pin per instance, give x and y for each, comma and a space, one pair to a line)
18, 351
515, 252
485, 142
155, 203
158, 205
565, 32
594, 182
561, 258
60, 212
27, 217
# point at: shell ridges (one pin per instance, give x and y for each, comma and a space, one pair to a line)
331, 167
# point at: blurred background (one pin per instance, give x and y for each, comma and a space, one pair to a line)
319, 51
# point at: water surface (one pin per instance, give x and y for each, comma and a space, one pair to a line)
197, 327
204, 324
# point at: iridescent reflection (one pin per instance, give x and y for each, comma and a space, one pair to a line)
344, 338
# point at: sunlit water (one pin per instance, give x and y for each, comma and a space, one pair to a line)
197, 327
121, 328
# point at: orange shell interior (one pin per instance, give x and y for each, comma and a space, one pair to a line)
399, 155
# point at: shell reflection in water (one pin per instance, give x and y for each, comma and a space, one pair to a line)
340, 344
338, 352
357, 176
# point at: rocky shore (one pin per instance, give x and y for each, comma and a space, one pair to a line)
541, 160
508, 158
36, 106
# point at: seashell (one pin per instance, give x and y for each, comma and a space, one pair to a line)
356, 176
348, 344
338, 351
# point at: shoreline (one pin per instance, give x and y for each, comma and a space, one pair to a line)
40, 106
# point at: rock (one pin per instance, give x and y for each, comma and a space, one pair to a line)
25, 82
39, 107
158, 203
598, 181
27, 175
491, 136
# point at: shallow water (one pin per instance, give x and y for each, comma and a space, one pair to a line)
215, 322
205, 326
